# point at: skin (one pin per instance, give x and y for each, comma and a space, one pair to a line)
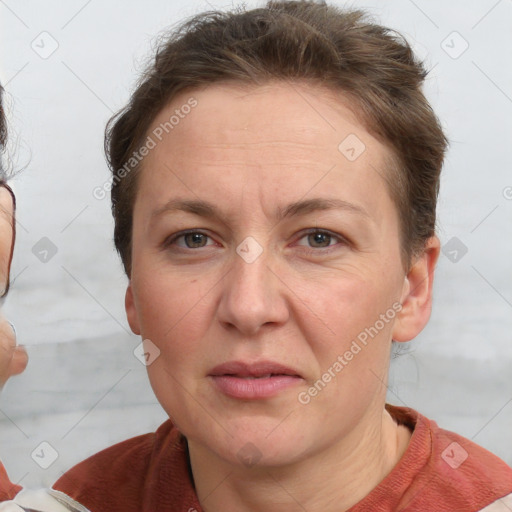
249, 151
13, 359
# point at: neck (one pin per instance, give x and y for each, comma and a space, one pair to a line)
331, 480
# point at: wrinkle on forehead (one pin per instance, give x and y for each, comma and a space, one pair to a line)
312, 108
261, 141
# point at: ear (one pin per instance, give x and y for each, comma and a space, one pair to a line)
131, 310
416, 297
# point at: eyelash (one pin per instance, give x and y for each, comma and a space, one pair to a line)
309, 250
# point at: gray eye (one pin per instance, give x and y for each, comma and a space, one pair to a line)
324, 239
194, 240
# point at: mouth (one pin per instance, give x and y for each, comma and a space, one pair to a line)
253, 381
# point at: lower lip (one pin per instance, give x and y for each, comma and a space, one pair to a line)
254, 389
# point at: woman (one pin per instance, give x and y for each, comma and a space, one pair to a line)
270, 353
13, 358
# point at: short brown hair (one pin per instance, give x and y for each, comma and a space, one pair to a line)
343, 50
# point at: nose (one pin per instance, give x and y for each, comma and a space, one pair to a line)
253, 293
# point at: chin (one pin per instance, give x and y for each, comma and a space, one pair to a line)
253, 441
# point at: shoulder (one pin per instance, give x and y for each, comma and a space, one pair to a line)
7, 489
467, 463
42, 500
456, 473
114, 478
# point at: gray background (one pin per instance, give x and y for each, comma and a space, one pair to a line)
84, 388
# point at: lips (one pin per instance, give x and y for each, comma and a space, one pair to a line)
262, 369
253, 381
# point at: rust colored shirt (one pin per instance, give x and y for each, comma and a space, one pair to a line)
440, 471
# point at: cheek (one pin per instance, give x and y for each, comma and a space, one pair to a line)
173, 315
344, 306
354, 354
348, 311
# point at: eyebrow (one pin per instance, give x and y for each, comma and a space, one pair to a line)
295, 209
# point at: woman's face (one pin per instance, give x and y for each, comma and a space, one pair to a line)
13, 359
6, 236
290, 273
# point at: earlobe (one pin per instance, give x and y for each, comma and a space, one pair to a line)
131, 310
417, 293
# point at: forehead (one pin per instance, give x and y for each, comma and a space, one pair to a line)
259, 138
260, 113
232, 116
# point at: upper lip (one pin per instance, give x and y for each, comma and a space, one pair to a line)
256, 369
